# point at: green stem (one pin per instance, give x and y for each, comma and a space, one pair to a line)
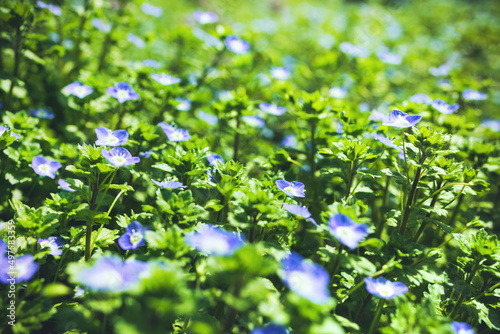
424, 223
378, 314
411, 196
236, 143
94, 187
462, 296
337, 260
231, 313
444, 188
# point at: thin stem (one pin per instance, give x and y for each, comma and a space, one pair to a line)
237, 136
231, 313
444, 188
462, 296
378, 314
406, 214
424, 223
94, 187
337, 260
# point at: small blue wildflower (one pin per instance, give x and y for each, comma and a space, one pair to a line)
340, 127
272, 109
300, 211
79, 292
354, 50
165, 79
106, 137
122, 91
168, 184
68, 44
389, 57
211, 177
146, 154
440, 71
254, 121
280, 73
289, 141
183, 104
151, 63
152, 10
443, 107
293, 189
212, 240
119, 157
420, 98
387, 142
174, 134
461, 328
136, 40
338, 92
54, 243
206, 117
236, 44
25, 268
12, 134
133, 237
42, 113
45, 167
399, 119
56, 10
270, 329
493, 124
346, 231
383, 288
64, 185
101, 25
212, 159
110, 273
474, 95
305, 278
78, 89
205, 17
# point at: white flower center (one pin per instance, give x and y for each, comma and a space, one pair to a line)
302, 283
44, 168
119, 160
385, 290
136, 237
122, 94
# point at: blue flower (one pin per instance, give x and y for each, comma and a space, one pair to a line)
64, 185
152, 10
340, 127
272, 109
151, 63
212, 159
169, 184
212, 240
254, 121
444, 107
346, 231
106, 137
236, 44
420, 98
400, 119
293, 189
290, 141
45, 167
383, 288
54, 243
136, 40
338, 92
79, 292
119, 157
389, 57
122, 91
165, 79
174, 134
440, 71
386, 141
493, 124
205, 17
146, 154
110, 273
354, 50
25, 268
305, 278
184, 104
206, 117
42, 113
12, 134
461, 328
474, 95
133, 237
280, 73
56, 10
300, 211
78, 89
270, 329
101, 25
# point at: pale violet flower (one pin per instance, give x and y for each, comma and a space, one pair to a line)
205, 17
272, 109
399, 119
293, 189
169, 184
385, 289
254, 121
389, 57
56, 10
300, 211
493, 124
106, 137
420, 98
474, 95
165, 79
45, 167
183, 104
119, 157
206, 117
78, 89
12, 134
338, 92
346, 231
174, 134
440, 71
122, 91
151, 63
63, 184
443, 107
133, 236
136, 40
461, 328
54, 243
212, 159
101, 25
354, 50
212, 240
152, 10
236, 44
280, 73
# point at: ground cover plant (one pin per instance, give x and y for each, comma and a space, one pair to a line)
249, 166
